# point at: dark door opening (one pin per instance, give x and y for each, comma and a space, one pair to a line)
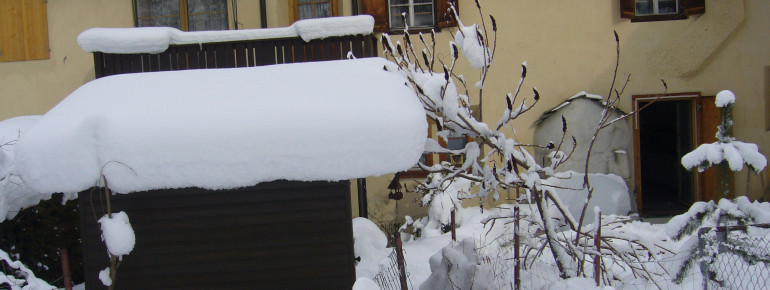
666, 133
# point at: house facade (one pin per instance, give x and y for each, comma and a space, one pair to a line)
697, 47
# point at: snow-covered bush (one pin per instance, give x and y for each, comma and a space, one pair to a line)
739, 211
23, 278
505, 163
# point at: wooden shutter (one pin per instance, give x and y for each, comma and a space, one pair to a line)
627, 9
23, 30
692, 7
444, 17
379, 10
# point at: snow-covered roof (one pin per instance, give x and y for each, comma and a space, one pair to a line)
157, 39
581, 95
226, 128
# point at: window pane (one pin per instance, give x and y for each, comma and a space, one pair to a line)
399, 2
322, 10
643, 7
207, 15
313, 9
395, 16
456, 143
666, 6
157, 13
423, 15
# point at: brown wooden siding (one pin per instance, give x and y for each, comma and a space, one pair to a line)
276, 235
236, 54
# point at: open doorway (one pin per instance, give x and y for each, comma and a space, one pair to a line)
664, 131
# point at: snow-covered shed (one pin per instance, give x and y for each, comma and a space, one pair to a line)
229, 176
609, 155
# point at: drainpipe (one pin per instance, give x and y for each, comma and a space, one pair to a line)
235, 14
363, 204
354, 7
262, 14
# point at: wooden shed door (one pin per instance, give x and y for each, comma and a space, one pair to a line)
663, 132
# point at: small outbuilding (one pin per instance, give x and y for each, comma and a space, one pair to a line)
231, 178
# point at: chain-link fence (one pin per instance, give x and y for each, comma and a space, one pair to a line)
735, 257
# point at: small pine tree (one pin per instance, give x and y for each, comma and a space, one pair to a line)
730, 155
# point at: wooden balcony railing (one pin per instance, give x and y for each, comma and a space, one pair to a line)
236, 54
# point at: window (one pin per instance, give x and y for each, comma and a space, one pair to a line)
454, 143
187, 15
23, 30
420, 14
657, 10
306, 9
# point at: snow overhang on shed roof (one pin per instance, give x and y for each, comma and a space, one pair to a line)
226, 128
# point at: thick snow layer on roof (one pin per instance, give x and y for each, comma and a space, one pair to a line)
157, 39
227, 128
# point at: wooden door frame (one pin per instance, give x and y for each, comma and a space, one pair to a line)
635, 100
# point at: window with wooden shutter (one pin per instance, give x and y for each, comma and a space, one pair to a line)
23, 30
186, 15
420, 14
659, 10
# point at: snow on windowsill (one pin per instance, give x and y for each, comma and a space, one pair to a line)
157, 39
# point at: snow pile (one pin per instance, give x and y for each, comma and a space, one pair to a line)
117, 234
157, 39
227, 128
104, 276
724, 99
14, 195
457, 267
19, 268
610, 193
736, 153
370, 246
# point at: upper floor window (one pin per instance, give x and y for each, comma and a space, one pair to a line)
24, 30
186, 15
306, 9
657, 10
420, 14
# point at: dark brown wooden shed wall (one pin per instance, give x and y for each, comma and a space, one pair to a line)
276, 235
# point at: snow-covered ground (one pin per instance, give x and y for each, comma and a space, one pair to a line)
481, 258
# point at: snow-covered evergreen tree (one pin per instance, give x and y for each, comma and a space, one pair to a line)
728, 154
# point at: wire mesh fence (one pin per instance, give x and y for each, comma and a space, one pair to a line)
389, 275
735, 257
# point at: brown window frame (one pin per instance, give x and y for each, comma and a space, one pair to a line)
23, 30
380, 10
294, 8
685, 9
184, 17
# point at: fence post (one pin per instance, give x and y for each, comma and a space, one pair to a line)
454, 226
516, 258
400, 260
598, 256
65, 266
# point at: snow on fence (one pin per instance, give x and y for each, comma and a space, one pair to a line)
735, 257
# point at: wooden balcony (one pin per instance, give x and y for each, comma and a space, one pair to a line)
236, 54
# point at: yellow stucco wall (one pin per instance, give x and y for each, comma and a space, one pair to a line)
569, 47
